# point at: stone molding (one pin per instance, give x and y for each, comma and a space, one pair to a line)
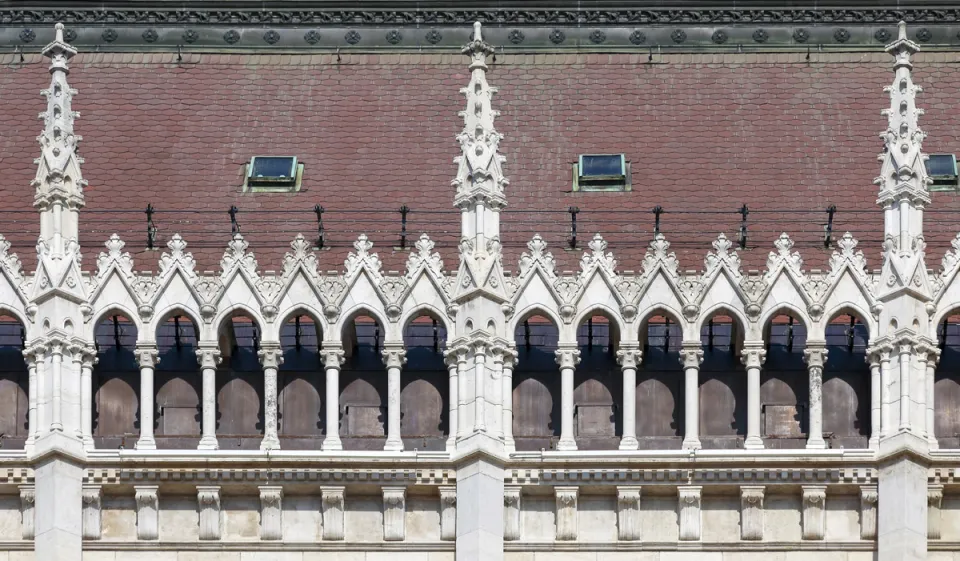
751, 512
512, 496
271, 512
28, 500
394, 513
868, 512
628, 513
690, 515
211, 520
332, 511
448, 512
92, 521
814, 498
566, 501
934, 518
148, 512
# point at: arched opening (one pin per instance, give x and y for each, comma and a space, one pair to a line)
659, 403
846, 384
363, 386
178, 385
116, 384
240, 410
300, 384
14, 384
424, 385
723, 384
598, 386
784, 384
946, 389
536, 385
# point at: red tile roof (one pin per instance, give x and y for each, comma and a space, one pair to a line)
704, 134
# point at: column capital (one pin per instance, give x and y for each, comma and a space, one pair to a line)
815, 356
629, 358
208, 357
147, 355
394, 356
567, 357
691, 355
457, 354
753, 356
333, 356
271, 355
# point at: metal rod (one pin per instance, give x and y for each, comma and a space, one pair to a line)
853, 322
666, 336
743, 226
828, 228
657, 211
790, 335
234, 227
403, 226
710, 334
320, 238
151, 228
376, 338
943, 334
573, 226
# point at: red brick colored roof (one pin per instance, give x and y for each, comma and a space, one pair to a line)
702, 132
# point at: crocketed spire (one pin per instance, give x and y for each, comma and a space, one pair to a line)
479, 176
58, 177
903, 173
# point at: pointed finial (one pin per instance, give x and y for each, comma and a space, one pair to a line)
59, 28
902, 35
476, 31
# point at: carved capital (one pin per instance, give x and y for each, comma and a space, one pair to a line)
333, 357
691, 356
567, 357
628, 512
934, 517
815, 356
208, 357
271, 355
690, 516
753, 356
448, 513
629, 358
28, 499
147, 356
394, 356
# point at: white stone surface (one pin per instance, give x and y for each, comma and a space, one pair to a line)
148, 511
271, 512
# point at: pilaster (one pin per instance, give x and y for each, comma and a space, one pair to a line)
868, 512
813, 500
934, 518
148, 512
751, 512
211, 520
628, 513
28, 499
92, 499
332, 506
567, 498
511, 513
271, 512
448, 513
690, 515
394, 513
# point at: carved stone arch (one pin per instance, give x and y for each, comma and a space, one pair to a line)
249, 281
707, 295
176, 310
644, 317
100, 293
836, 297
239, 310
523, 290
613, 316
116, 310
415, 285
845, 308
936, 319
161, 299
272, 331
530, 311
348, 316
722, 309
783, 308
19, 315
430, 311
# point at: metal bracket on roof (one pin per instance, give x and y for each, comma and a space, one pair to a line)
151, 228
743, 226
404, 210
574, 211
657, 211
319, 210
828, 227
234, 227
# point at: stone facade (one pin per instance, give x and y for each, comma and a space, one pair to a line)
70, 500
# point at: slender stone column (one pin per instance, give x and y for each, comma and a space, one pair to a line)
40, 403
886, 380
629, 359
933, 357
479, 375
815, 356
333, 359
510, 359
876, 398
462, 382
905, 350
147, 356
271, 357
919, 396
88, 359
567, 358
32, 356
56, 359
209, 358
753, 357
691, 357
496, 375
394, 356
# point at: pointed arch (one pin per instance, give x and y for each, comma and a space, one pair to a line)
179, 310
787, 309
534, 310
292, 312
613, 316
115, 309
722, 309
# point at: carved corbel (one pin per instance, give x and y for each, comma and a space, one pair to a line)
91, 515
331, 504
331, 312
511, 513
629, 312
271, 513
567, 313
628, 513
691, 311
753, 311
507, 309
814, 511
448, 513
934, 500
87, 312
868, 512
208, 312
815, 311
751, 512
269, 312
690, 497
28, 499
208, 499
394, 513
148, 511
566, 498
146, 313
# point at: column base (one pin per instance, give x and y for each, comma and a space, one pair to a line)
393, 446
566, 445
270, 443
691, 444
145, 443
753, 443
629, 443
331, 444
208, 443
816, 444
